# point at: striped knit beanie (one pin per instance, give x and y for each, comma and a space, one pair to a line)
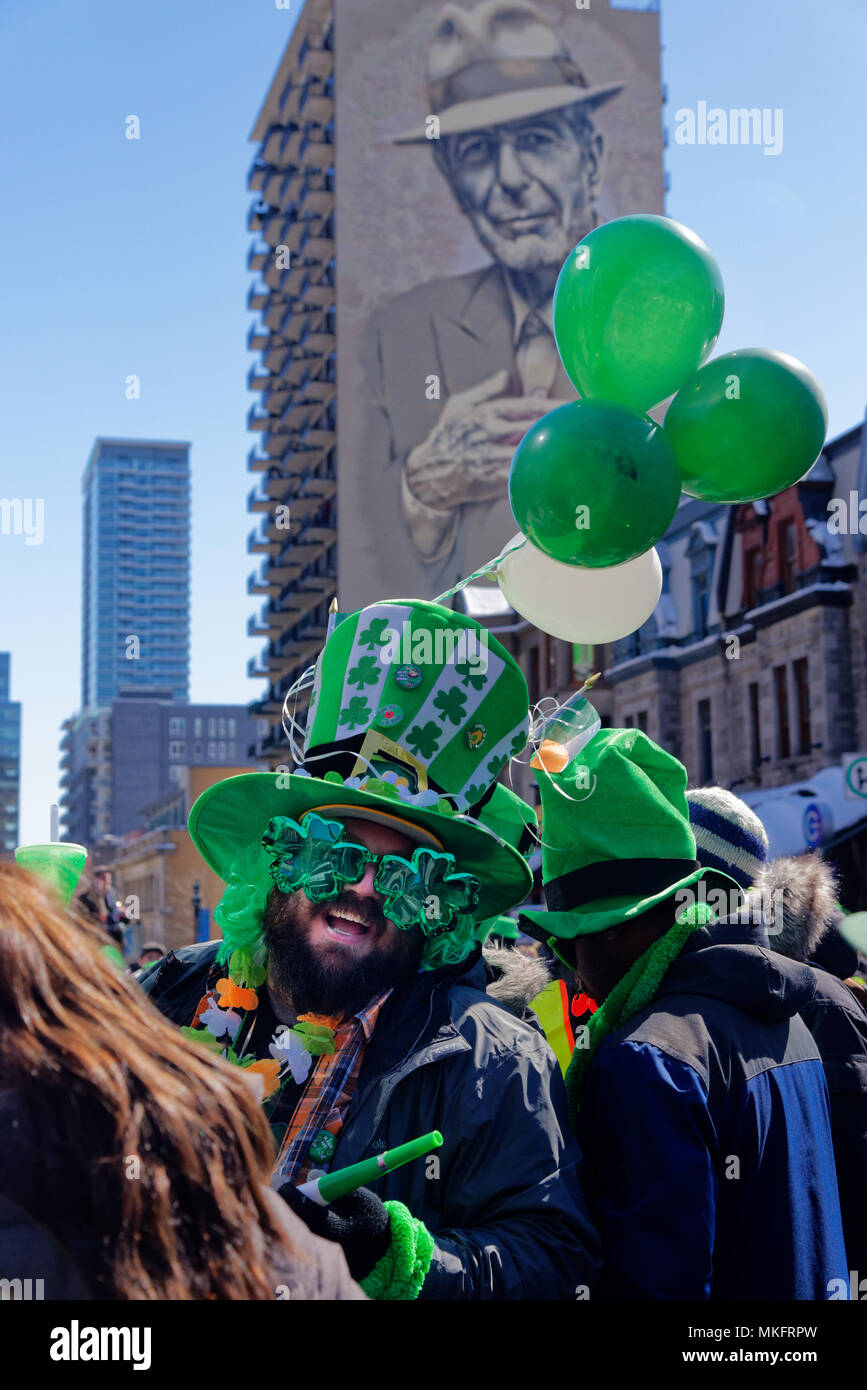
728, 835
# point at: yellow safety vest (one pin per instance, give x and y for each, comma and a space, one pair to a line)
551, 1007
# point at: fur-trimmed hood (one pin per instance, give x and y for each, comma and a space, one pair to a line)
799, 900
514, 979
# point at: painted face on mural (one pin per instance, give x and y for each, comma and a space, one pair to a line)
528, 186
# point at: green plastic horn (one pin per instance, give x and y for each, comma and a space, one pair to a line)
59, 865
332, 1186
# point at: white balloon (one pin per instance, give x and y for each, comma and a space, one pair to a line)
579, 604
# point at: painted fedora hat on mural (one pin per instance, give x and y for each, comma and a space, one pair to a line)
498, 63
414, 711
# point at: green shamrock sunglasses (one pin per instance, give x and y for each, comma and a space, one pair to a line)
317, 858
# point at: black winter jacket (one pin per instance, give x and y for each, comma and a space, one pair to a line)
501, 1196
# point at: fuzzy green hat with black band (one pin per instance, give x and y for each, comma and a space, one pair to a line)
616, 842
616, 837
414, 711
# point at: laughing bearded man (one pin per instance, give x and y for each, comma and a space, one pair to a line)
350, 980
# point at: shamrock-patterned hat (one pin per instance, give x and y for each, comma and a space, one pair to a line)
414, 711
616, 837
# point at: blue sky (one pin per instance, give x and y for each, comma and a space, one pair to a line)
121, 257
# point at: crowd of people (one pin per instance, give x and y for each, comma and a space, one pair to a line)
657, 1091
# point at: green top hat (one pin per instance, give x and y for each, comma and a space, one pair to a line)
513, 820
616, 837
414, 711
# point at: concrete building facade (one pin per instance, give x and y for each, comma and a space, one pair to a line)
292, 176
116, 763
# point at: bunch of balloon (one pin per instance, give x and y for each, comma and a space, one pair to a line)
595, 483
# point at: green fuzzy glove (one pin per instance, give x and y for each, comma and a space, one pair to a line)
403, 1268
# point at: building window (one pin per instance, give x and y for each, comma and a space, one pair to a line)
755, 726
629, 722
551, 661
802, 694
221, 750
197, 728
705, 742
753, 562
177, 751
534, 672
700, 604
781, 696
641, 720
232, 728
197, 752
221, 728
701, 553
212, 750
232, 749
177, 726
212, 728
788, 555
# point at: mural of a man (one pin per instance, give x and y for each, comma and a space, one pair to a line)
466, 363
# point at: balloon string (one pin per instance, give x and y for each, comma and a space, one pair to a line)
294, 730
486, 568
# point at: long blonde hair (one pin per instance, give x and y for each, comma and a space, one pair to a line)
75, 1031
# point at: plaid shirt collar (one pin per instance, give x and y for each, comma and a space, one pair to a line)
367, 1017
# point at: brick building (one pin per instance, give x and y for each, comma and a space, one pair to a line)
752, 668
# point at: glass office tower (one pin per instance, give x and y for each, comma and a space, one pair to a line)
136, 569
10, 760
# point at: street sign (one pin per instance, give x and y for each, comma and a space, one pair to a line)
813, 824
855, 776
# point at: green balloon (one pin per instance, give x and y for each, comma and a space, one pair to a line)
748, 425
637, 308
594, 484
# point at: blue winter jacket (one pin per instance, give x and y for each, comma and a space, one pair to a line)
704, 1125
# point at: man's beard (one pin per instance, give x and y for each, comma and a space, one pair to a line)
335, 981
536, 250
